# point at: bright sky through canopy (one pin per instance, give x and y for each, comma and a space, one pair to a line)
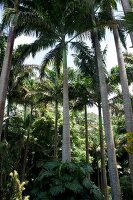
111, 59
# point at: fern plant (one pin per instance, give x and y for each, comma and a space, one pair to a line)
65, 181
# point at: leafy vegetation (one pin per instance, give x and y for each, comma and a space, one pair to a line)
65, 181
52, 146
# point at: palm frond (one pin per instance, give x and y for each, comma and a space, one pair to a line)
52, 57
23, 51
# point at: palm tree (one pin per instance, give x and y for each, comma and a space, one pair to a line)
103, 165
5, 75
106, 10
2, 48
80, 93
53, 86
12, 8
85, 60
125, 92
113, 172
127, 8
66, 23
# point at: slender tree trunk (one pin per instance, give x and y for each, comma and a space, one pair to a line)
5, 74
86, 136
127, 8
125, 92
113, 172
56, 132
103, 166
26, 147
66, 147
98, 172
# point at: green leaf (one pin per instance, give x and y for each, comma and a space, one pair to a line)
87, 183
74, 186
43, 196
44, 174
51, 165
55, 190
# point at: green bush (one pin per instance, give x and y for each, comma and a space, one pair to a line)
65, 181
126, 187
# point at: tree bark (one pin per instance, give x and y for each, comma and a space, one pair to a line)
125, 92
5, 74
127, 8
113, 172
86, 136
104, 185
66, 147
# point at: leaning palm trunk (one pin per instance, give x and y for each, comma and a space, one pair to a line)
113, 172
103, 166
125, 92
127, 8
5, 74
66, 148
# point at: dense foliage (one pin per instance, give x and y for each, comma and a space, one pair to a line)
58, 140
65, 181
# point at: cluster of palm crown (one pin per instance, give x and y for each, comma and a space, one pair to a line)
55, 23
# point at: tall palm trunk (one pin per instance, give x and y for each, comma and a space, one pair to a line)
113, 172
127, 8
56, 132
66, 147
103, 166
125, 92
86, 136
5, 74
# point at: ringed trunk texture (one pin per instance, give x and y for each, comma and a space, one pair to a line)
103, 166
113, 172
5, 74
125, 92
86, 136
66, 147
127, 8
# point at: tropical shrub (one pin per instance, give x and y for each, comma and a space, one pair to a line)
65, 181
126, 187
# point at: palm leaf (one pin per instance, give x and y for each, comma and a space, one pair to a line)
52, 57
